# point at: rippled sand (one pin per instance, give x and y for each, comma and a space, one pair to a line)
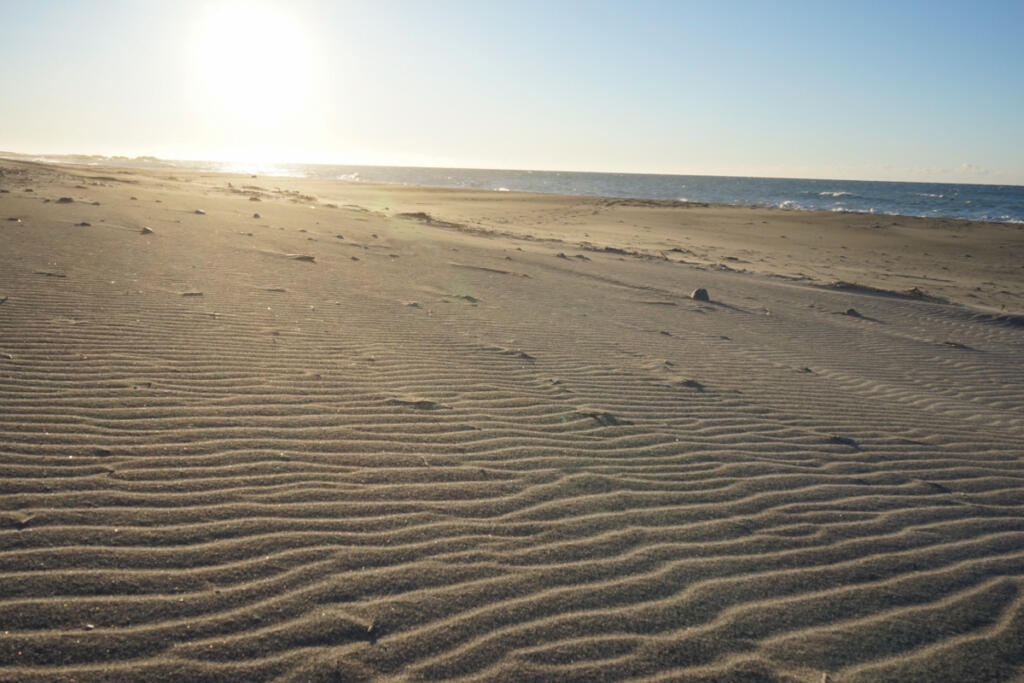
407, 434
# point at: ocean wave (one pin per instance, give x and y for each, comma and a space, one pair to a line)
930, 195
835, 193
868, 210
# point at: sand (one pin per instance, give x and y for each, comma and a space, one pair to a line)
395, 433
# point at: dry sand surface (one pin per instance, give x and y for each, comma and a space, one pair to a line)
390, 433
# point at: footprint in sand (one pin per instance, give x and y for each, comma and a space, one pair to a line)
607, 419
692, 384
416, 402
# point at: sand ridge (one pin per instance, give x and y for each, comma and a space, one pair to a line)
495, 439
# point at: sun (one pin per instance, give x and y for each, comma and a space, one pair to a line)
255, 64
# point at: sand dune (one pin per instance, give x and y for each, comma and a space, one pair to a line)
412, 434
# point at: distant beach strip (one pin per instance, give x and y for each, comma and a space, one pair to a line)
996, 203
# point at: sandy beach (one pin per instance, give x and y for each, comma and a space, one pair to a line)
275, 429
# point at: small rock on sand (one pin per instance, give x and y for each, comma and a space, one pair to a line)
65, 200
700, 294
256, 215
146, 231
200, 212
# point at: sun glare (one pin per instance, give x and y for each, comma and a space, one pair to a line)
255, 65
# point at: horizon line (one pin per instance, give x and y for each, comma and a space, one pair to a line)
144, 157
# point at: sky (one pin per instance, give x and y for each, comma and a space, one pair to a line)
886, 90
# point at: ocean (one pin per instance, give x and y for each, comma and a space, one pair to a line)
1001, 203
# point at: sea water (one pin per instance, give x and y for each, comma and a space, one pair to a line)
1002, 203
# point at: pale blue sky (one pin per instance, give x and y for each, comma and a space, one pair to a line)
875, 90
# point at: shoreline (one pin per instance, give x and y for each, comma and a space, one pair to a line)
225, 167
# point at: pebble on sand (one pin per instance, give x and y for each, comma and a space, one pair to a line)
146, 231
700, 294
